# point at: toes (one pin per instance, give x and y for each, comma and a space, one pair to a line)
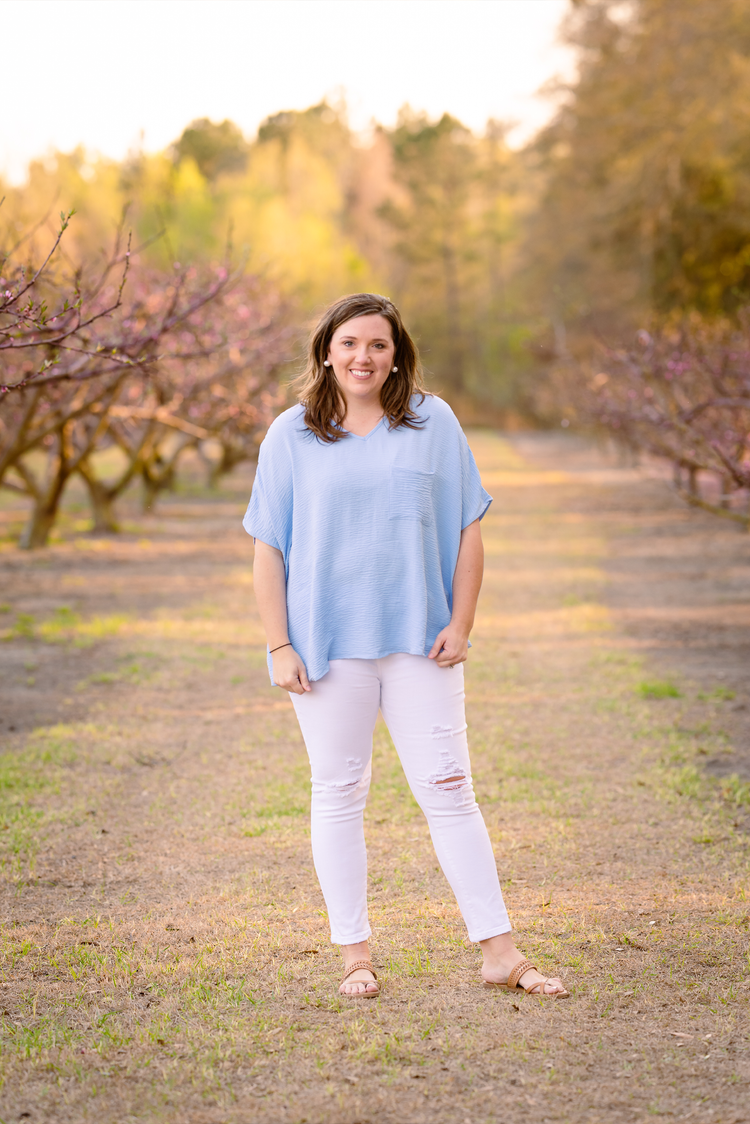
551, 987
358, 987
354, 986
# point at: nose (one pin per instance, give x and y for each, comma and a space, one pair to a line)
362, 357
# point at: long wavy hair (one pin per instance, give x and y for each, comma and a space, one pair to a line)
318, 389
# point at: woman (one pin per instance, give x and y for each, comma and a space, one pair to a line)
368, 563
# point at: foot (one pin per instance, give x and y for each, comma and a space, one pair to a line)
501, 957
361, 981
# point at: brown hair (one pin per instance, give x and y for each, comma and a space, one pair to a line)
318, 389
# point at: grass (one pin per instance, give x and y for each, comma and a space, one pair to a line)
659, 689
65, 626
164, 953
27, 781
724, 694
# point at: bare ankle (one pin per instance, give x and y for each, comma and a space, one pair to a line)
498, 947
352, 952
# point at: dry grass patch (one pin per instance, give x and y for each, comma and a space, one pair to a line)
164, 950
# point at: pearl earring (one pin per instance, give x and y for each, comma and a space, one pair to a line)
326, 363
394, 369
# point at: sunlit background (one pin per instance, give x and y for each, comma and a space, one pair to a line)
116, 75
555, 192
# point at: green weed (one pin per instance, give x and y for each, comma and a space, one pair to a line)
24, 627
736, 791
725, 694
659, 689
688, 781
24, 776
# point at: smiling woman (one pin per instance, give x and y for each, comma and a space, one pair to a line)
368, 563
361, 355
362, 366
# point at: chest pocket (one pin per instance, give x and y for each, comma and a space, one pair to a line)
410, 494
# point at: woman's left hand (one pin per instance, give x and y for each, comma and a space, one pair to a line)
451, 646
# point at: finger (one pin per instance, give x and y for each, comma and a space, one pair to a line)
303, 680
436, 646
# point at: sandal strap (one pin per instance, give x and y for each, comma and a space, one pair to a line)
562, 994
521, 967
356, 966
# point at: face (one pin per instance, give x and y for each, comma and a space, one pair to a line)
361, 354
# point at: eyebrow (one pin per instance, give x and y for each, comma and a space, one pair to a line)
375, 339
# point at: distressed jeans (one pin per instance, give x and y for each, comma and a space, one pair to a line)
423, 707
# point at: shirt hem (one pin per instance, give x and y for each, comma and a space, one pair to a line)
381, 655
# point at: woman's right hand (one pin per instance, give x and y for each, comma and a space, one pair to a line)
289, 671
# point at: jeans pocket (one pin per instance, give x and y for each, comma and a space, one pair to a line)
410, 494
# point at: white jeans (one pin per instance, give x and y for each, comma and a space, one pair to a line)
423, 707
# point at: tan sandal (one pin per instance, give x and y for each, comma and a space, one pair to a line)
511, 984
360, 994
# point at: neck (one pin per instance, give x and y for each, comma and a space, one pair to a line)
362, 416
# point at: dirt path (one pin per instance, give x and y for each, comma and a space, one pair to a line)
164, 948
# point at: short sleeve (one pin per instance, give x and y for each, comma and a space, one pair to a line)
474, 499
269, 513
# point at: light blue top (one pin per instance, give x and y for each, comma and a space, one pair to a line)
369, 528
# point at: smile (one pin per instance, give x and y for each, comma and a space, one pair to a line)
359, 374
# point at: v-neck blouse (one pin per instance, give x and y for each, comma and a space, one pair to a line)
369, 529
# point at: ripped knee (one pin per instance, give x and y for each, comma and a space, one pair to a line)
346, 786
450, 777
454, 782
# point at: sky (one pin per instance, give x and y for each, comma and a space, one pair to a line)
116, 75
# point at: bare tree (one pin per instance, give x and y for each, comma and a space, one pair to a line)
223, 396
82, 367
682, 393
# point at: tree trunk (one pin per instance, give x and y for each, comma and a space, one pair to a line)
161, 480
725, 483
226, 463
693, 481
211, 466
151, 489
103, 509
44, 513
160, 475
47, 496
102, 499
453, 317
37, 531
215, 473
